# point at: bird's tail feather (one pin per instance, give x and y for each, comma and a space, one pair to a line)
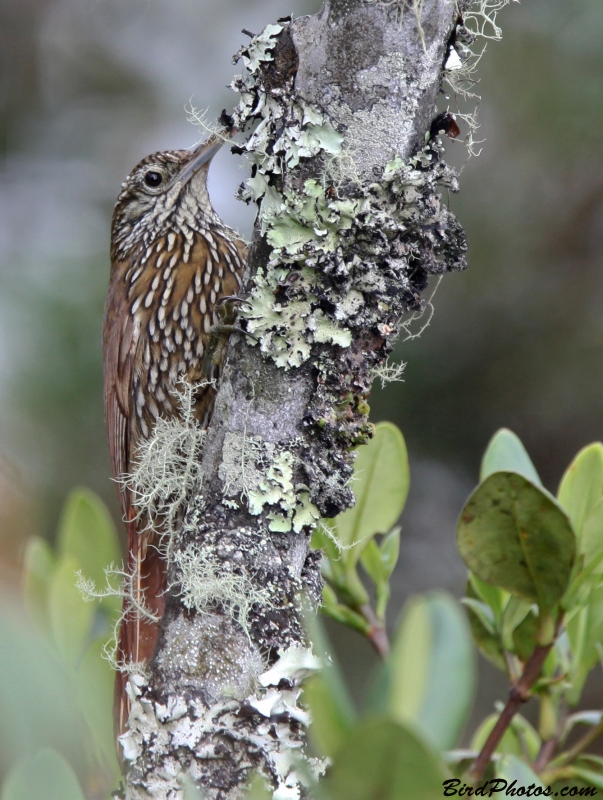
143, 604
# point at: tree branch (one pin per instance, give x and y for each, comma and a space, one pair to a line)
519, 693
350, 227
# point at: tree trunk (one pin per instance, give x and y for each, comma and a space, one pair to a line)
350, 226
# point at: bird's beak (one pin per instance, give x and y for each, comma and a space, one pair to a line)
200, 156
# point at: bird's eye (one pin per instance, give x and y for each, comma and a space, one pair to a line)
153, 179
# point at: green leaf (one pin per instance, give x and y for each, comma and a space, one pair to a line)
36, 696
582, 485
520, 739
327, 696
592, 758
329, 723
371, 561
483, 612
87, 534
382, 759
39, 564
94, 680
390, 550
496, 598
46, 775
379, 560
511, 768
591, 541
514, 614
258, 789
341, 613
71, 616
588, 776
487, 639
525, 636
381, 487
192, 793
589, 718
514, 536
585, 632
582, 584
506, 453
432, 670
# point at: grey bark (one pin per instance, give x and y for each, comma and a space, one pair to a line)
211, 708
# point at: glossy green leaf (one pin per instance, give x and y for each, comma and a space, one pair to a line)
381, 486
45, 776
582, 485
87, 534
514, 536
432, 670
38, 567
511, 768
382, 759
71, 616
506, 453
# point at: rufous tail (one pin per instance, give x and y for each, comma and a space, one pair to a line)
138, 633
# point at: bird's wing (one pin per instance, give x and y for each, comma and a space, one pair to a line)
119, 344
137, 636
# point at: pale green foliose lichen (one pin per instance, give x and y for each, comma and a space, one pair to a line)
347, 259
264, 473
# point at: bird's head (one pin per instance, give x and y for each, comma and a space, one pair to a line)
161, 188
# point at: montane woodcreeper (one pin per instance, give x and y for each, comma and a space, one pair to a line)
172, 259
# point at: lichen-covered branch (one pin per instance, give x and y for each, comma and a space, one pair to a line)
346, 170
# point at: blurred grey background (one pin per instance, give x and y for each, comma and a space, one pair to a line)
89, 87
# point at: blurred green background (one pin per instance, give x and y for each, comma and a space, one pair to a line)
88, 88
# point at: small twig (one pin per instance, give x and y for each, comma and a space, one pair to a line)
377, 634
581, 745
520, 693
546, 752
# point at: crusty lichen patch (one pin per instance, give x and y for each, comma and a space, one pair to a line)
348, 257
269, 722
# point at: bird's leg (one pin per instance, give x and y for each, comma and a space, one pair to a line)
226, 308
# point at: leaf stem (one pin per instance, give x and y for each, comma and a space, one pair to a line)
545, 754
570, 755
519, 693
377, 634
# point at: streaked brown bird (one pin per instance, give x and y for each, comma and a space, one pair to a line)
172, 259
